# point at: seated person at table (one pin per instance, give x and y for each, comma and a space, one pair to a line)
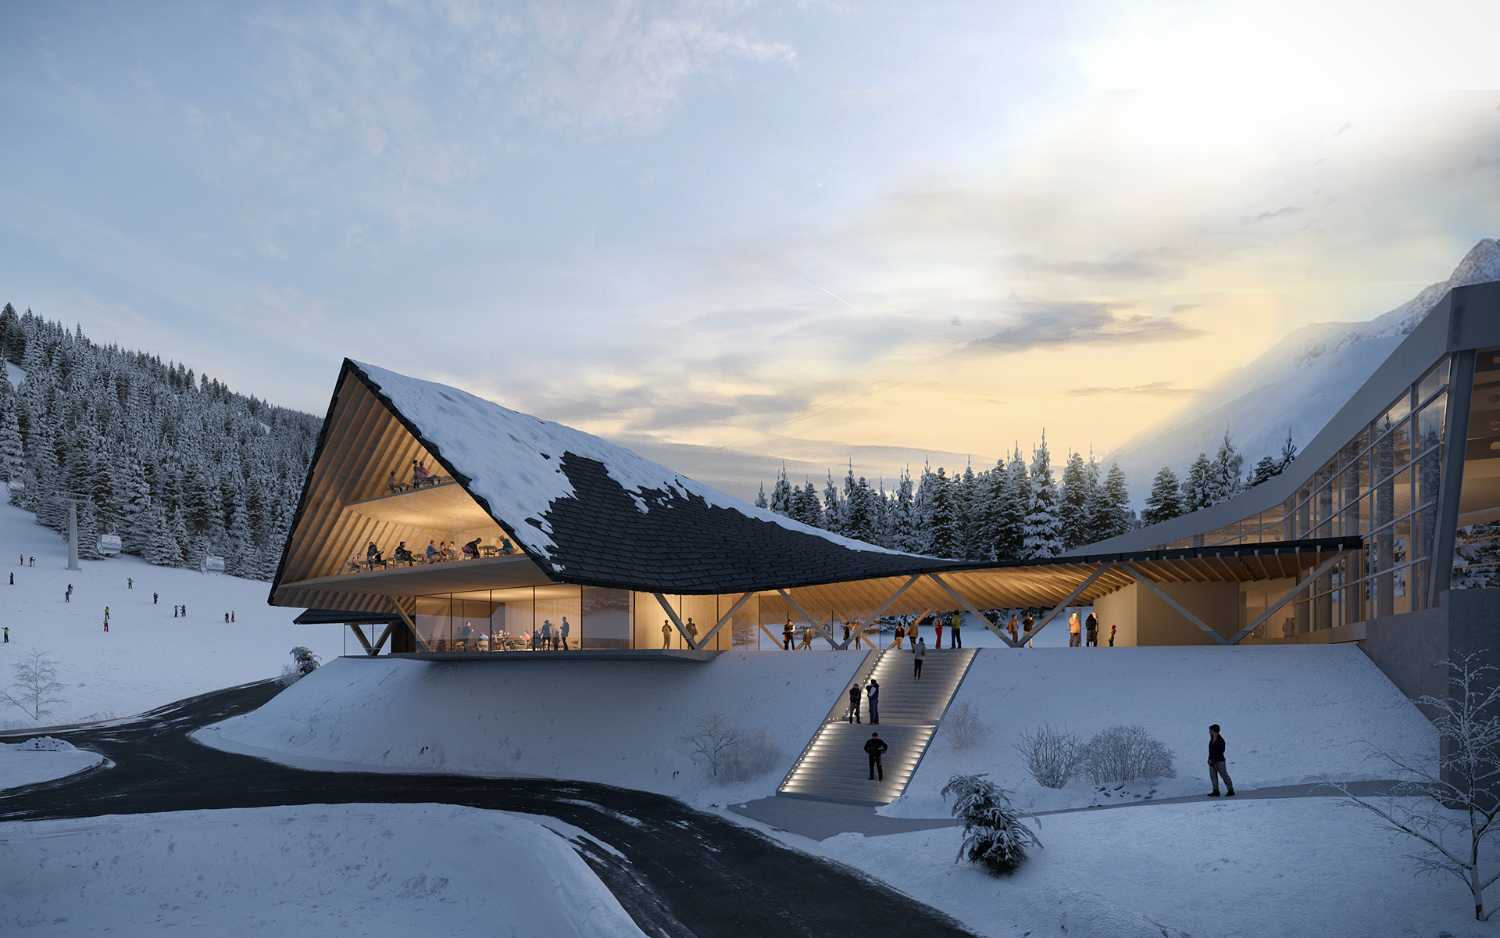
403, 555
392, 485
471, 549
445, 550
419, 474
432, 553
506, 547
372, 555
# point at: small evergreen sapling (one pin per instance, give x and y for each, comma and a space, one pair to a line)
994, 835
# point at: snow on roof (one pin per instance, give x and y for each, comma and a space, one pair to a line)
514, 462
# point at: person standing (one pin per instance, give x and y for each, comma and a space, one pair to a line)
546, 635
155, 598
1029, 622
692, 630
958, 630
1091, 626
1112, 628
130, 582
1217, 764
7, 635
900, 632
853, 715
937, 631
1015, 636
567, 628
106, 625
231, 616
807, 639
666, 634
68, 594
920, 653
872, 696
874, 747
226, 616
1074, 630
786, 635
12, 578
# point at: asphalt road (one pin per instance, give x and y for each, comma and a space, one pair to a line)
684, 872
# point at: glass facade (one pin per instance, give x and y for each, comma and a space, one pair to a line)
1476, 547
1382, 486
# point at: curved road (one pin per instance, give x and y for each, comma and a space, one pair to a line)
684, 872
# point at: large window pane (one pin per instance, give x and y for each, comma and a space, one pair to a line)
1436, 378
433, 620
605, 623
1430, 422
558, 612
1476, 559
512, 617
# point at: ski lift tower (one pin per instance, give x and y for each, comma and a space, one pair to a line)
72, 501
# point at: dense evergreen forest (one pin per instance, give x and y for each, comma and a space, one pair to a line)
173, 462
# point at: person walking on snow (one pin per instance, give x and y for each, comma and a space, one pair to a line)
155, 597
874, 746
853, 715
920, 653
937, 632
666, 634
130, 582
106, 625
68, 594
1074, 628
7, 635
958, 631
1217, 766
1091, 626
231, 616
12, 578
872, 695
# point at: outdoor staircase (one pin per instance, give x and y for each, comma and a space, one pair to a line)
834, 767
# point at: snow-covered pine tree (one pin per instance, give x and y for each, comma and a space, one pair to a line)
1265, 468
1288, 451
833, 506
922, 507
1197, 487
1165, 501
11, 455
942, 517
781, 494
994, 835
1043, 526
805, 505
88, 530
904, 514
760, 500
163, 549
1110, 516
1010, 543
239, 552
1072, 509
1227, 478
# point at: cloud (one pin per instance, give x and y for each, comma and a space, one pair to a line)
1151, 389
1286, 211
1042, 325
1136, 266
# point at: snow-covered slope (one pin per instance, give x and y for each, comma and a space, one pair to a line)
513, 460
287, 872
1291, 713
1295, 386
148, 658
617, 722
41, 760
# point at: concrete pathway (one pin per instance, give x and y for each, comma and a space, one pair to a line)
820, 820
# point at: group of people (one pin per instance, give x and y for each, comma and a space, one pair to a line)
1087, 632
550, 637
690, 627
871, 693
436, 552
420, 476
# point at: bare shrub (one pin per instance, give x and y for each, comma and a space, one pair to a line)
712, 742
1052, 755
964, 728
1451, 809
1124, 754
755, 755
36, 685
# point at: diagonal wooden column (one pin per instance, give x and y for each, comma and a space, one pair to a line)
963, 601
411, 627
1178, 607
676, 620
808, 618
1287, 597
1067, 601
380, 644
724, 619
359, 634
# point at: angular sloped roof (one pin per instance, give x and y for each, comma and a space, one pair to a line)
590, 511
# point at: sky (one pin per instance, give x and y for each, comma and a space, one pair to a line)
745, 231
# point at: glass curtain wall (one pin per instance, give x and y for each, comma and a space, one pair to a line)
1476, 543
544, 618
1383, 486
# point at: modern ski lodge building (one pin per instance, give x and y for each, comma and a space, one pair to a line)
1384, 531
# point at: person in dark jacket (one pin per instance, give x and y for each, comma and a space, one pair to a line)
874, 746
853, 715
872, 694
917, 657
786, 635
958, 631
1091, 630
1217, 766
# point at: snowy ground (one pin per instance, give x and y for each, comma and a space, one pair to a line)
615, 722
41, 760
148, 658
1290, 713
364, 870
1289, 867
